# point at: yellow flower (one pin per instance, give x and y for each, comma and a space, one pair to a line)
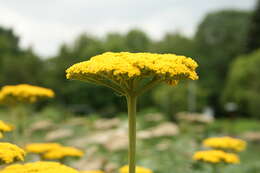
138, 169
39, 167
10, 153
119, 69
61, 152
23, 93
40, 148
4, 127
216, 156
226, 143
92, 171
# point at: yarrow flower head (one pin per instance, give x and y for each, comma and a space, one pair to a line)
216, 156
62, 152
23, 93
39, 167
10, 153
122, 70
225, 143
40, 148
138, 169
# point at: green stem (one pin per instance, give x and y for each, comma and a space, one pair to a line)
131, 104
215, 169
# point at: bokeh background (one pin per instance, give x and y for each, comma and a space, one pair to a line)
39, 40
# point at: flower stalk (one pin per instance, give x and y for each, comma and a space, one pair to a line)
131, 105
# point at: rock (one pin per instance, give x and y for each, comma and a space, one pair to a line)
252, 136
58, 134
103, 124
195, 117
41, 125
154, 117
78, 121
117, 141
111, 167
163, 145
164, 129
90, 164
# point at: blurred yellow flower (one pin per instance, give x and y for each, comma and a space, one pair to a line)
10, 153
23, 93
40, 148
4, 127
216, 156
39, 167
61, 152
226, 143
92, 171
138, 169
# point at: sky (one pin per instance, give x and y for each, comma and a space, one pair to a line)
46, 24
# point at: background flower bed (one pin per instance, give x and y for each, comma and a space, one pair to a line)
162, 154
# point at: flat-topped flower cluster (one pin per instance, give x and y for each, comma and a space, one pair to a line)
225, 143
53, 151
10, 153
39, 167
216, 156
169, 68
23, 93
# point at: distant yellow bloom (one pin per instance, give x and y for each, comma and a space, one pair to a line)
61, 152
23, 93
92, 171
10, 153
121, 68
138, 169
39, 167
216, 156
5, 127
40, 148
226, 143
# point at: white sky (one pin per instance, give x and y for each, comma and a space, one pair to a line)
45, 24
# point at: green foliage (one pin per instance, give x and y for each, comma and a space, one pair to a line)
253, 39
243, 84
219, 39
175, 99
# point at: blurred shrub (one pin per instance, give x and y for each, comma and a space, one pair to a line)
175, 99
243, 84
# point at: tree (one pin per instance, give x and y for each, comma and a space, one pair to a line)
172, 100
253, 38
137, 41
219, 39
174, 43
17, 65
243, 84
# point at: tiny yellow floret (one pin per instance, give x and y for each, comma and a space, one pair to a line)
225, 143
138, 169
39, 167
10, 153
216, 156
23, 93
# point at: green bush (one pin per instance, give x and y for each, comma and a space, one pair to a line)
243, 84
